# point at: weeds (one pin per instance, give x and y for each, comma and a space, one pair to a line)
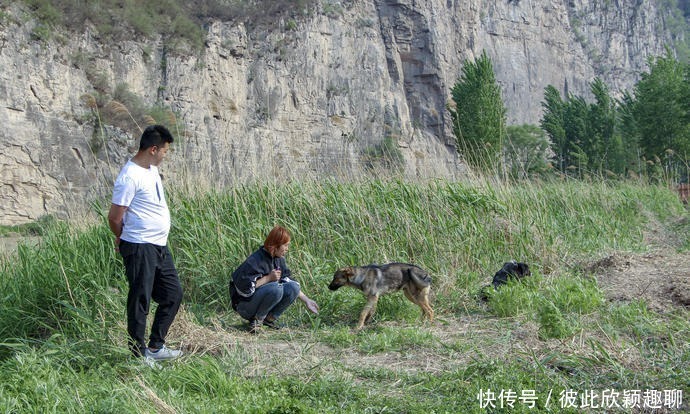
63, 341
37, 228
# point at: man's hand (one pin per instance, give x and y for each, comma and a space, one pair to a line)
116, 217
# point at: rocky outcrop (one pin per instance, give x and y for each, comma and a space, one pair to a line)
323, 98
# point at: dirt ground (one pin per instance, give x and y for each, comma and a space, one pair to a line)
661, 279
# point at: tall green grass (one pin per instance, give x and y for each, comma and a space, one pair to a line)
452, 229
62, 328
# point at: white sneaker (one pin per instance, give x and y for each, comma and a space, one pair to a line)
162, 354
150, 362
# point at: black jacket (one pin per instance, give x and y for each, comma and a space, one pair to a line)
259, 263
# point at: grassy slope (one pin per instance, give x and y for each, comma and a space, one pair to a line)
62, 332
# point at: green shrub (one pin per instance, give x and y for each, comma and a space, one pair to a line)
511, 300
574, 294
552, 322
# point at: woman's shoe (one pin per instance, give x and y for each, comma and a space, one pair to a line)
273, 324
255, 326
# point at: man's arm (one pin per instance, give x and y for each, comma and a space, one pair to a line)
116, 216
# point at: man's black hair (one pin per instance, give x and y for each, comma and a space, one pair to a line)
154, 135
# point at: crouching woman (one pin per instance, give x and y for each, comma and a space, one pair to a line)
261, 288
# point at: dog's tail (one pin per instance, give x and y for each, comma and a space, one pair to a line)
419, 276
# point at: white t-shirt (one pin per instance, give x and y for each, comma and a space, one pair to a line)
147, 218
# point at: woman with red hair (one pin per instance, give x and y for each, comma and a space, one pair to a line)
261, 288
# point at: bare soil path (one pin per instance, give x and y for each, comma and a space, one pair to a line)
661, 278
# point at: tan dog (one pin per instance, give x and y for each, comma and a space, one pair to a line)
375, 281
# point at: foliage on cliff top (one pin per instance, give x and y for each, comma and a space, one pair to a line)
178, 22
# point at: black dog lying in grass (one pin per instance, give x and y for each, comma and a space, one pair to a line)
512, 270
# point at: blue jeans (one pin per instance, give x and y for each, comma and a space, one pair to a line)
272, 298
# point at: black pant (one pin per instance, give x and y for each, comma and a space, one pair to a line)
151, 274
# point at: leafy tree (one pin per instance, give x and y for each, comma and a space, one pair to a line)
552, 123
575, 125
584, 136
628, 135
526, 151
600, 142
662, 114
660, 109
479, 116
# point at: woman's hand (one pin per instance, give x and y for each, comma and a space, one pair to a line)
275, 275
311, 305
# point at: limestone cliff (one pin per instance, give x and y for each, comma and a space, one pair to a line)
319, 99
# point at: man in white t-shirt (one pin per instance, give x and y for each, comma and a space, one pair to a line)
140, 219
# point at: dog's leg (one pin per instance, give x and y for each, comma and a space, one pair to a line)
368, 311
414, 298
426, 306
427, 311
410, 296
421, 299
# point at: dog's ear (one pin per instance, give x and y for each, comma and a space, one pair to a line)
348, 272
344, 272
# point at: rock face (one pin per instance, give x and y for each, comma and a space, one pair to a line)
338, 94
